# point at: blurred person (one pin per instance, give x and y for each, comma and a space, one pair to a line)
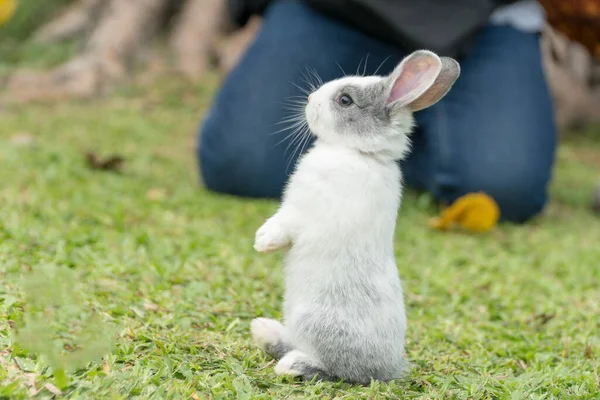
494, 131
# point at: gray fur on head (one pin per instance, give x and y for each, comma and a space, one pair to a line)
379, 115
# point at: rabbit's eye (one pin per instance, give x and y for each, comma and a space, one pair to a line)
345, 100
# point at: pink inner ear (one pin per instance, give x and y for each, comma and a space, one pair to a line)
416, 77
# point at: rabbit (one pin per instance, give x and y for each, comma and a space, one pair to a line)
344, 316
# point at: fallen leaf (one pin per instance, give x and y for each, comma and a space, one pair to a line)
476, 212
31, 384
485, 287
565, 351
22, 139
596, 201
112, 163
150, 306
31, 379
588, 352
53, 389
7, 10
106, 368
156, 194
542, 318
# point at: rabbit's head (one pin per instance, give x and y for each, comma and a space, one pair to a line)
373, 114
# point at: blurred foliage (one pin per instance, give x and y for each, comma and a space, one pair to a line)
579, 20
29, 16
58, 326
7, 10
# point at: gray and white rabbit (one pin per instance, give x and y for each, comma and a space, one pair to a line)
344, 306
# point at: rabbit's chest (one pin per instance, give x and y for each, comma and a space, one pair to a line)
346, 199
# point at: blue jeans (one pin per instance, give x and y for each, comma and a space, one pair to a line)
493, 132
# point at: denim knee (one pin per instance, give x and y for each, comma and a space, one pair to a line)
494, 131
212, 157
231, 163
521, 193
242, 148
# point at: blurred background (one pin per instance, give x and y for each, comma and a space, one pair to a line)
56, 50
60, 50
83, 48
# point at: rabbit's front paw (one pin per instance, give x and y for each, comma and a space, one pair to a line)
270, 237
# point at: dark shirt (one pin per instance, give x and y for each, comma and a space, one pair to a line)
443, 26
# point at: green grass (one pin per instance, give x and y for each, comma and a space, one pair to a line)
170, 268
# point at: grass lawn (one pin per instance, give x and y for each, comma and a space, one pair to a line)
170, 270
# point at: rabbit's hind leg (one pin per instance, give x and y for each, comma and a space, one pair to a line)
297, 363
271, 336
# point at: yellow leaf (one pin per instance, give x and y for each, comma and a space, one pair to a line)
476, 212
7, 10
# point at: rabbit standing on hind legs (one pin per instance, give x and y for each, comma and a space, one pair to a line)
344, 307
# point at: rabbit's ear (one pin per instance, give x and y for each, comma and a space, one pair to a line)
421, 80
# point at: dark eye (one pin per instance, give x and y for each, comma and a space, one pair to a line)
345, 100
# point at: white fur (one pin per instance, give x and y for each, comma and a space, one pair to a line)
266, 330
344, 306
285, 365
340, 206
338, 199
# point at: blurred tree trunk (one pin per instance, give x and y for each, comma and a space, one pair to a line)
574, 78
115, 33
194, 34
571, 48
78, 19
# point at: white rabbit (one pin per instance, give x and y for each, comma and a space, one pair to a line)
344, 307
